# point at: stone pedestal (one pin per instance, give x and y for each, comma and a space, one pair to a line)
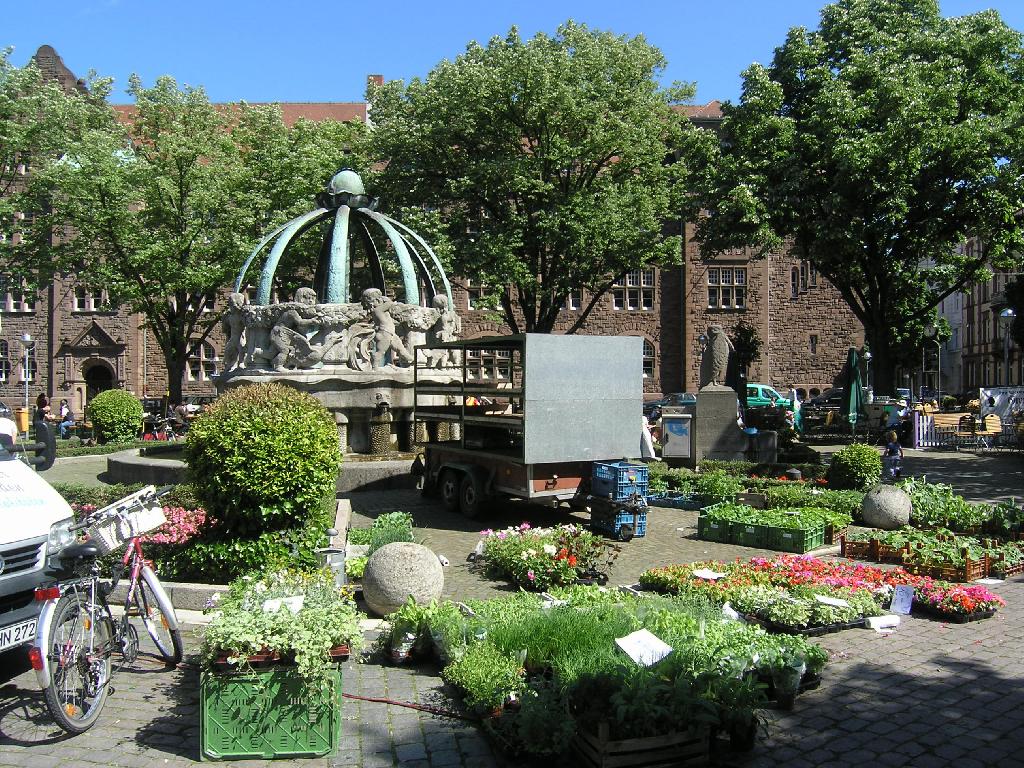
716, 434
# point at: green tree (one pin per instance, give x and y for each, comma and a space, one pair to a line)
547, 160
875, 146
162, 208
38, 119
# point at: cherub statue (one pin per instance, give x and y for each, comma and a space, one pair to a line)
447, 328
233, 325
386, 339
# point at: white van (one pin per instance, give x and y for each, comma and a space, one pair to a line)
34, 522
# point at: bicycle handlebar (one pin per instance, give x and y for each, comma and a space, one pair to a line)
121, 507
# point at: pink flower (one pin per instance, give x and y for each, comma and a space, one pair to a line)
531, 575
486, 532
524, 527
501, 535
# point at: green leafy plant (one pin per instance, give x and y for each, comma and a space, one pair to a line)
937, 505
116, 416
263, 461
355, 567
717, 485
295, 614
486, 675
855, 467
390, 527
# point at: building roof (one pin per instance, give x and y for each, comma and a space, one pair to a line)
341, 111
710, 111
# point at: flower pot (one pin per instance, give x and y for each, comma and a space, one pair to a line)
743, 735
339, 653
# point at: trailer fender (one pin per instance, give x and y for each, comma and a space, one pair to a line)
481, 475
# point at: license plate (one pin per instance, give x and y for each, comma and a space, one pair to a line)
16, 634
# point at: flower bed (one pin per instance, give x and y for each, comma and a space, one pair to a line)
539, 558
749, 588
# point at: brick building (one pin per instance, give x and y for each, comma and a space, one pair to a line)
79, 347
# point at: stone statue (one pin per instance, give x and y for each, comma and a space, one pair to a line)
290, 335
714, 362
385, 338
447, 328
233, 326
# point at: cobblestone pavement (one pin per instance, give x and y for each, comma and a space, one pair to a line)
931, 694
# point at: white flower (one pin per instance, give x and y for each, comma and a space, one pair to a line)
549, 549
260, 587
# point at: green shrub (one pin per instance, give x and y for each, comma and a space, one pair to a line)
263, 462
949, 403
855, 467
717, 485
741, 468
116, 416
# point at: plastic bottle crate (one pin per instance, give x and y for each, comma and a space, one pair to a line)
748, 535
797, 540
713, 530
611, 522
267, 714
618, 479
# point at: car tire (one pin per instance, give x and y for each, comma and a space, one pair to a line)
450, 490
471, 496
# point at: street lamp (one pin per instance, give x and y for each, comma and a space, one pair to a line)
932, 334
27, 343
1005, 321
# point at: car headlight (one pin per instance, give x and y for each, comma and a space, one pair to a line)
60, 535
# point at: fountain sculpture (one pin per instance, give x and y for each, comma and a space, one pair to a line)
355, 356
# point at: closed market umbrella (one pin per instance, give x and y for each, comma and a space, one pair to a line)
853, 403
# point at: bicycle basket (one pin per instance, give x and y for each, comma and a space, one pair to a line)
111, 532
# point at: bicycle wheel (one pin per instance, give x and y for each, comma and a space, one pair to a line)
79, 648
158, 618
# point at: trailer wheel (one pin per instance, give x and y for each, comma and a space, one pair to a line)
450, 490
472, 496
625, 532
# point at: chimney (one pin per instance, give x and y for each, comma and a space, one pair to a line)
374, 80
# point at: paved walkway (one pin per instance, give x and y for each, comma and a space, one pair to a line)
932, 694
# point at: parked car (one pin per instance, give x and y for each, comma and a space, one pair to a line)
760, 395
652, 408
195, 403
830, 398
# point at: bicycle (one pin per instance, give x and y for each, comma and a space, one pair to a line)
77, 633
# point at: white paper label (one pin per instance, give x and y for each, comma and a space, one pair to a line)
644, 647
707, 573
833, 601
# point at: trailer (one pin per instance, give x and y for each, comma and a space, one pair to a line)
525, 415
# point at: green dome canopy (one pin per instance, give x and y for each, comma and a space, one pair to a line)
352, 210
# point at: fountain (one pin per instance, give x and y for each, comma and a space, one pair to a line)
353, 355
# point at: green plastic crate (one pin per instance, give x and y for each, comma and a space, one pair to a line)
267, 714
712, 530
797, 540
747, 535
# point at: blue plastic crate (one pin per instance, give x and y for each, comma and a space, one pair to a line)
612, 522
618, 480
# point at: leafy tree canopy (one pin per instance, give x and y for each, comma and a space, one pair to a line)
161, 208
546, 159
876, 145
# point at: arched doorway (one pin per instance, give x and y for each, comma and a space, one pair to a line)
98, 378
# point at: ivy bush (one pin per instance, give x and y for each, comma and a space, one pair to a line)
263, 461
116, 416
856, 467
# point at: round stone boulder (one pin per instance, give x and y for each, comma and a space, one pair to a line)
397, 571
886, 507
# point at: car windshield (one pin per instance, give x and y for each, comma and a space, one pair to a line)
773, 394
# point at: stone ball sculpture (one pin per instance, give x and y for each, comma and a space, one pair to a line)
886, 507
714, 362
397, 571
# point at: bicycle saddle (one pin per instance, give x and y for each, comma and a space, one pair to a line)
82, 551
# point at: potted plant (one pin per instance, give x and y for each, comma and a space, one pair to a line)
292, 621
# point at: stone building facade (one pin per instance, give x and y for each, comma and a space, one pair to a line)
80, 347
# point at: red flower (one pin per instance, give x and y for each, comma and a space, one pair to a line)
572, 561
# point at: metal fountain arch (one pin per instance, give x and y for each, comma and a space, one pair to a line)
345, 200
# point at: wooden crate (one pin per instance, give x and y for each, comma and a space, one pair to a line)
969, 571
857, 550
686, 748
835, 535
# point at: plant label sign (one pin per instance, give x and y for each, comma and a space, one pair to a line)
902, 599
644, 647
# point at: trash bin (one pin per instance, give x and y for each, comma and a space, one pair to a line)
21, 419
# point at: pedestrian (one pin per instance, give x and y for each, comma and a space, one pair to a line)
42, 408
892, 456
67, 419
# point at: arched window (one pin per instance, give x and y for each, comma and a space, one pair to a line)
795, 283
202, 361
648, 360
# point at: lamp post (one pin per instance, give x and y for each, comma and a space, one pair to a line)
867, 370
26, 342
1005, 321
932, 334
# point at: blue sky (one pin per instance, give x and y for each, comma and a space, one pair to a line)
316, 51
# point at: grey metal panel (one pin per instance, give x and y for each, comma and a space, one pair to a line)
583, 397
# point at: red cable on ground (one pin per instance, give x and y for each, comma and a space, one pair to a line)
411, 705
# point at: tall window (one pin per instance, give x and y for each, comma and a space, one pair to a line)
5, 362
89, 300
814, 343
475, 294
804, 275
29, 366
202, 362
488, 364
14, 297
648, 360
727, 288
575, 300
635, 291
